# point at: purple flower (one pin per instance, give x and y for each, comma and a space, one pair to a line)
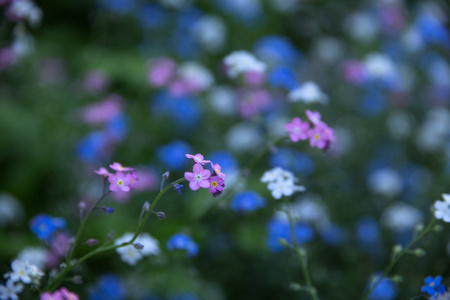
216, 186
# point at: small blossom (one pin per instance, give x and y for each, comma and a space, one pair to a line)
281, 187
277, 172
247, 201
318, 137
198, 158
119, 168
308, 92
181, 241
218, 170
129, 254
103, 172
217, 185
442, 208
240, 62
119, 182
313, 116
11, 290
433, 286
44, 226
20, 271
298, 130
199, 177
66, 295
134, 180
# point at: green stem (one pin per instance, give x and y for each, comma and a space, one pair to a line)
397, 257
54, 283
301, 254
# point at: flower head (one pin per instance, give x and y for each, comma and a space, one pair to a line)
198, 178
44, 226
10, 290
240, 62
433, 286
216, 187
118, 167
198, 158
181, 241
130, 254
318, 137
298, 130
442, 208
218, 170
119, 182
103, 172
247, 201
133, 179
313, 116
281, 187
308, 92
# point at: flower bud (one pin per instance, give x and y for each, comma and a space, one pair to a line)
419, 252
397, 279
109, 210
146, 206
419, 227
82, 205
160, 215
438, 228
295, 286
165, 175
138, 246
282, 242
91, 242
397, 249
178, 187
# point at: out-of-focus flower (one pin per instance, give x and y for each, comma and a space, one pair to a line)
104, 111
243, 137
109, 287
276, 50
309, 92
210, 32
401, 217
95, 82
386, 182
281, 183
379, 67
442, 208
218, 170
222, 100
11, 210
298, 130
181, 241
173, 154
362, 27
21, 10
194, 78
44, 226
10, 290
247, 201
198, 158
160, 71
129, 254
239, 62
433, 286
385, 289
119, 168
34, 255
368, 233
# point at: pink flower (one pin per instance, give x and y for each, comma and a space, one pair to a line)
103, 172
199, 178
161, 71
218, 170
198, 158
49, 296
66, 295
119, 182
313, 116
318, 137
103, 111
329, 132
216, 186
118, 167
134, 180
298, 130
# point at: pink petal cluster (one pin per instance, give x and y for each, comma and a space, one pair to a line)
203, 178
320, 136
103, 111
62, 294
121, 180
160, 71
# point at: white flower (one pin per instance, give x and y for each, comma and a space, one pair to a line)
277, 173
196, 73
310, 209
21, 270
401, 217
282, 187
239, 62
442, 208
244, 137
10, 291
386, 182
379, 66
362, 27
34, 255
210, 32
129, 254
223, 100
309, 92
11, 210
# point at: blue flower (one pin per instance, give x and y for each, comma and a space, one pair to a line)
277, 50
278, 228
367, 232
433, 286
225, 159
173, 155
181, 241
332, 234
152, 15
93, 147
117, 128
385, 290
247, 201
284, 77
178, 187
44, 226
373, 102
109, 287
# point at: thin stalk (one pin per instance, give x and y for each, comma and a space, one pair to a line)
302, 259
397, 257
54, 283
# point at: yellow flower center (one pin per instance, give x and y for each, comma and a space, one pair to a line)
214, 183
120, 182
317, 136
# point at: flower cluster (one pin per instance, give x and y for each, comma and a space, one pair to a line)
181, 241
241, 62
203, 178
144, 245
61, 294
120, 181
320, 136
281, 182
442, 208
21, 273
433, 287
